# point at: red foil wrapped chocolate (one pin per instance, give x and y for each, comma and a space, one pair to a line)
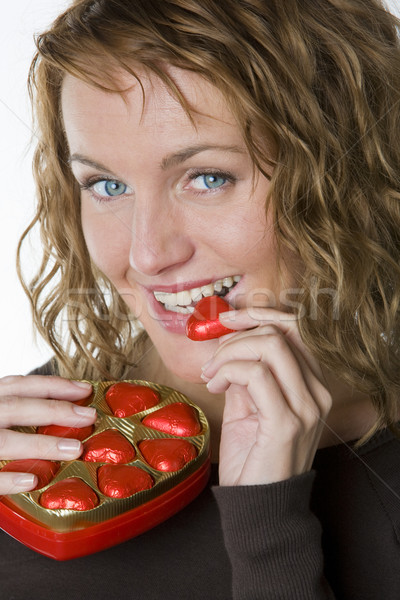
203, 324
121, 481
177, 419
108, 446
77, 433
72, 493
126, 399
43, 469
167, 454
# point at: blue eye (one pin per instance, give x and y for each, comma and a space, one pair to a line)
209, 181
109, 187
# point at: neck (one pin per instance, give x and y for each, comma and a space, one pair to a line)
352, 414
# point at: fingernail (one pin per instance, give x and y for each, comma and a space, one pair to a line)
83, 384
84, 411
206, 365
204, 378
69, 446
228, 315
25, 481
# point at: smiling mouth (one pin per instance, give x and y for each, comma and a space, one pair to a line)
185, 301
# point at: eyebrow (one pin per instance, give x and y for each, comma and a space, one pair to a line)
169, 161
87, 161
179, 157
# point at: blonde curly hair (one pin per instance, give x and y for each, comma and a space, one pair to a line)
321, 79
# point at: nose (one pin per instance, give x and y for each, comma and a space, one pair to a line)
160, 240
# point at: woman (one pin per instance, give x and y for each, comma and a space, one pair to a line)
249, 149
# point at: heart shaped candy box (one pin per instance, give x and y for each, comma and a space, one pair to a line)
137, 469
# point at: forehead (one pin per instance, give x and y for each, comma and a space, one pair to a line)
148, 108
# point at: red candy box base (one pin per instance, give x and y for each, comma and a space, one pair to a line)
83, 506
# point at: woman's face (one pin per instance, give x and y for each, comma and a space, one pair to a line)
170, 207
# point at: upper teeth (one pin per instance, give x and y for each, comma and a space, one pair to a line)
186, 297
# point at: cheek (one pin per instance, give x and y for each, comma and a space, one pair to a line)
108, 243
251, 239
236, 234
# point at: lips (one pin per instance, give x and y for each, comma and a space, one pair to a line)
174, 321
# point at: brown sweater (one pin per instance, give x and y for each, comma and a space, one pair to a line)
331, 533
273, 533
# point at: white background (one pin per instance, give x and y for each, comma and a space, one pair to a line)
20, 19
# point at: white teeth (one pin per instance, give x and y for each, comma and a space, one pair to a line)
185, 310
195, 294
184, 298
180, 301
227, 282
164, 297
207, 290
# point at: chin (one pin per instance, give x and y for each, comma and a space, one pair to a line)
185, 370
186, 363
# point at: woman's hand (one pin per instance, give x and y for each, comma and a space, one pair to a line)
276, 401
39, 400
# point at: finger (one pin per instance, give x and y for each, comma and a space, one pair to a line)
273, 350
44, 386
246, 318
317, 387
241, 405
15, 410
283, 444
247, 334
260, 384
15, 483
15, 445
268, 395
253, 317
266, 344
